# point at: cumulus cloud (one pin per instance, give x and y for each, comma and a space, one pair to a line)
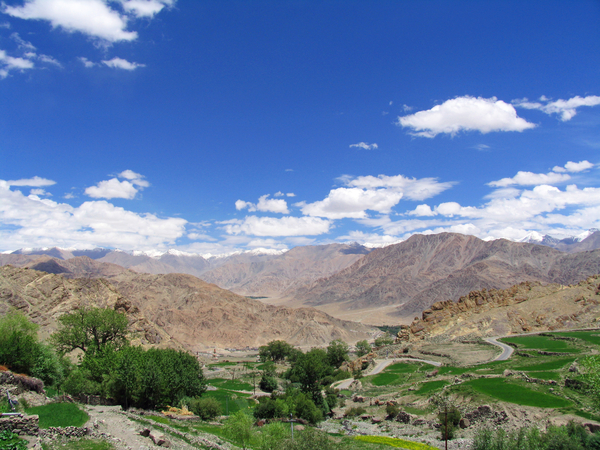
33, 182
531, 179
145, 8
566, 109
574, 167
115, 188
365, 146
41, 222
465, 114
265, 204
284, 226
119, 63
352, 203
411, 188
94, 18
9, 63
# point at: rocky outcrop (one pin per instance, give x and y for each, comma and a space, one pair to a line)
528, 306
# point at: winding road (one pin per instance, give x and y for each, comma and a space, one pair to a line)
507, 350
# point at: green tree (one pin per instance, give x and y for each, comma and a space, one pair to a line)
591, 376
19, 344
383, 340
92, 330
239, 428
337, 353
272, 436
275, 351
362, 348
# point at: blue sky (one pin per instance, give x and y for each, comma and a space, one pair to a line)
214, 126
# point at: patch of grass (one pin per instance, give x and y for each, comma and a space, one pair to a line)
223, 364
509, 392
452, 370
160, 419
545, 375
430, 386
59, 415
415, 411
394, 442
80, 444
586, 415
593, 337
541, 343
232, 385
554, 364
229, 404
403, 368
385, 379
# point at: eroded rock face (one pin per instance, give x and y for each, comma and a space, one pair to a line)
528, 306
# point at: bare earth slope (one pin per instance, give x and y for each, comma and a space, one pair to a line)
424, 269
273, 276
526, 307
172, 310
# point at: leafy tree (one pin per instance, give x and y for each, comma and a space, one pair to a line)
362, 348
268, 384
18, 342
272, 436
383, 340
337, 353
92, 330
239, 428
275, 351
206, 408
591, 376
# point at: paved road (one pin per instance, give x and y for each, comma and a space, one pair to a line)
507, 350
379, 366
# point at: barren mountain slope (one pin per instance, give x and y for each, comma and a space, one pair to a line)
44, 297
201, 315
526, 307
273, 276
173, 310
424, 269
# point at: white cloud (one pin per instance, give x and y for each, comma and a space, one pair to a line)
284, 226
114, 188
465, 114
265, 204
370, 240
86, 62
8, 63
365, 146
482, 147
531, 179
22, 43
41, 222
411, 188
33, 182
119, 63
145, 8
94, 18
567, 109
352, 203
422, 210
578, 167
39, 192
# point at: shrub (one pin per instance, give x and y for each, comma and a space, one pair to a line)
268, 384
206, 408
11, 441
355, 411
392, 410
449, 420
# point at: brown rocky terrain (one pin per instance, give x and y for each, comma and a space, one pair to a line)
526, 307
407, 278
173, 310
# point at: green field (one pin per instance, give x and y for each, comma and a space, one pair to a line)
545, 343
59, 415
548, 365
232, 385
430, 386
593, 337
545, 375
395, 374
508, 392
229, 404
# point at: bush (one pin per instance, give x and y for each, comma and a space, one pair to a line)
11, 441
206, 408
355, 411
268, 384
449, 420
392, 410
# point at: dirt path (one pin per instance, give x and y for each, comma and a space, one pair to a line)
112, 420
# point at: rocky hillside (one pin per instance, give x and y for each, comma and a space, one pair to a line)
526, 307
172, 310
425, 269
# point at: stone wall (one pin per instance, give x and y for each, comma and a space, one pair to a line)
24, 426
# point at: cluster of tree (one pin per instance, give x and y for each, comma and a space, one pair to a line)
309, 375
109, 366
569, 437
